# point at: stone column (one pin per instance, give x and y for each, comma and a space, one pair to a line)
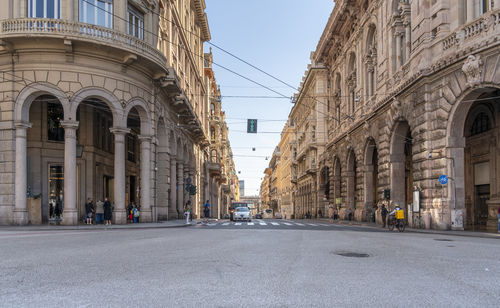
407, 40
119, 212
496, 4
397, 170
70, 213
398, 48
470, 11
172, 208
180, 190
20, 210
145, 178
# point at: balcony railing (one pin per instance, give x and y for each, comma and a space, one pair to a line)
473, 29
76, 30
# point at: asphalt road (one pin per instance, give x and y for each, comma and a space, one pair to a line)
253, 265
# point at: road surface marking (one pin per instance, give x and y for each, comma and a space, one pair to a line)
288, 224
263, 224
313, 225
225, 224
323, 225
237, 223
299, 224
275, 224
250, 223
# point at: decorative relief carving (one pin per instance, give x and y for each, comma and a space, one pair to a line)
472, 69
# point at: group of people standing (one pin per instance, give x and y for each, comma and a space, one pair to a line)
133, 213
188, 211
102, 212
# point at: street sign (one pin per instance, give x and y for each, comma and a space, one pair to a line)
252, 126
443, 179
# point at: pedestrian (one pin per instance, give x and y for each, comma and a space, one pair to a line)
58, 209
107, 211
206, 210
51, 209
89, 210
320, 214
99, 212
130, 213
187, 211
383, 212
136, 213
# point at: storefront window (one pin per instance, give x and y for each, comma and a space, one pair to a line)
44, 8
97, 12
55, 114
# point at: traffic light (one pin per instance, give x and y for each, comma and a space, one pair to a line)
192, 190
252, 126
387, 194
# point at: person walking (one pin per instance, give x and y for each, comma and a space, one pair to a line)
136, 214
206, 210
99, 212
89, 210
107, 211
383, 212
187, 211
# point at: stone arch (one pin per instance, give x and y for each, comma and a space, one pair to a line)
350, 181
337, 178
142, 109
370, 176
107, 97
401, 163
459, 159
34, 90
171, 143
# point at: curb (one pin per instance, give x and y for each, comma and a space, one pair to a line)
76, 228
421, 231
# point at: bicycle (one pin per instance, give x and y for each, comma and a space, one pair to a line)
393, 222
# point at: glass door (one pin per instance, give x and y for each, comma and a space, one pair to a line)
56, 193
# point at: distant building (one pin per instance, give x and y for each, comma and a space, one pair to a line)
242, 187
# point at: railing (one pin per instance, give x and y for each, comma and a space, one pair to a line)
66, 28
489, 20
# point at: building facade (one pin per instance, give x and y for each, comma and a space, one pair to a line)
286, 188
101, 99
309, 115
414, 91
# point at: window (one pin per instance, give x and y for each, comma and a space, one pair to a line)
131, 148
44, 8
481, 124
55, 113
135, 22
97, 12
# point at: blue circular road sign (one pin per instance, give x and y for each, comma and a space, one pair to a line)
443, 179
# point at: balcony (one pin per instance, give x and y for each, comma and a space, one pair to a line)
214, 169
71, 30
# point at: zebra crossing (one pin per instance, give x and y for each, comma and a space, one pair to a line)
258, 223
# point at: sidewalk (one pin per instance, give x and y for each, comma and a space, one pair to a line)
163, 224
427, 231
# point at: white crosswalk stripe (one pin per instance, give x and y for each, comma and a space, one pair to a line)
237, 224
275, 224
323, 225
257, 222
262, 223
225, 224
313, 225
288, 224
250, 223
299, 224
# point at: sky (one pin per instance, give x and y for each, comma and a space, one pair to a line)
276, 36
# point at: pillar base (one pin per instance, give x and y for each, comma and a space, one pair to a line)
146, 216
360, 215
20, 217
172, 215
70, 217
119, 217
344, 214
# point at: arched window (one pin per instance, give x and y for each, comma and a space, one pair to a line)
481, 124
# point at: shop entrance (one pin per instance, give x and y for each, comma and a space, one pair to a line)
56, 193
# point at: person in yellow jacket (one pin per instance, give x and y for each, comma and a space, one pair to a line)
398, 213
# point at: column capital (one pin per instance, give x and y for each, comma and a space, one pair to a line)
119, 130
70, 124
22, 125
